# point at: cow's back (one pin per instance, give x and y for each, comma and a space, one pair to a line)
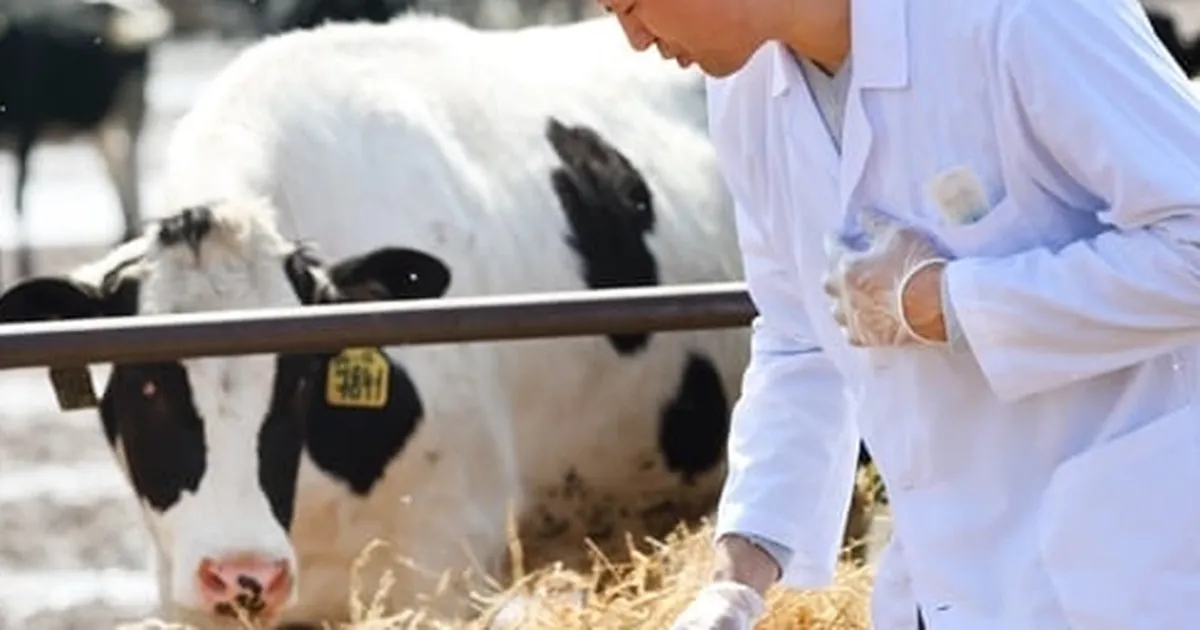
426, 134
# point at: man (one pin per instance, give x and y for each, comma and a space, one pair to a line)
978, 224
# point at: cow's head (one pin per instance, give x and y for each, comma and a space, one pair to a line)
212, 446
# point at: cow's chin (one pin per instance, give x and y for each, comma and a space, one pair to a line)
202, 620
198, 617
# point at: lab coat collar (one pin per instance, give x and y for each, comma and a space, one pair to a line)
879, 45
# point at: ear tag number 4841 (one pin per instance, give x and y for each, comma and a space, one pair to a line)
358, 378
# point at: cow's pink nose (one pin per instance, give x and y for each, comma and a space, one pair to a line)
254, 585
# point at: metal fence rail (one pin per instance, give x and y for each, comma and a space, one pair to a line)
322, 328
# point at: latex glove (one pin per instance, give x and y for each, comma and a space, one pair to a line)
866, 286
723, 605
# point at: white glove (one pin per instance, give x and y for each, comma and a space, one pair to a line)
865, 286
724, 605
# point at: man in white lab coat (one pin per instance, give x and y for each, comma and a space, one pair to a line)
1020, 179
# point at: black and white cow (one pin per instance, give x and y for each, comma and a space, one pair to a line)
426, 159
1184, 50
74, 67
278, 16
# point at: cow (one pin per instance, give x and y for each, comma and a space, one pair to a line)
419, 159
75, 67
511, 13
278, 16
1185, 51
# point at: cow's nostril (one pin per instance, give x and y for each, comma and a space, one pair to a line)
210, 579
250, 584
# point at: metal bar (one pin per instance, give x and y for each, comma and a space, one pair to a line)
330, 327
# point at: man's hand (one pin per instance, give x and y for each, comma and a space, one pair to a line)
922, 300
890, 293
734, 599
740, 560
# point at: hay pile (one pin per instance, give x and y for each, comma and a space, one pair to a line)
643, 593
650, 590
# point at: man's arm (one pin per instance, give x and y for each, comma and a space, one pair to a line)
792, 449
1107, 110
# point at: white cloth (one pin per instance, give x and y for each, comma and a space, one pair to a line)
1046, 479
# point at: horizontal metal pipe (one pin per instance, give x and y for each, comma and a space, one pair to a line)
332, 327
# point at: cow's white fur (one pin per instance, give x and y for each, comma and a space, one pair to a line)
426, 134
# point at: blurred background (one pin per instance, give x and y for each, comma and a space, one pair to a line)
72, 550
68, 199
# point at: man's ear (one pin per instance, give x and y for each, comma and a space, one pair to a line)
39, 299
391, 273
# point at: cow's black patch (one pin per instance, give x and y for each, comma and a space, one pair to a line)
150, 407
281, 438
610, 211
356, 443
187, 227
695, 423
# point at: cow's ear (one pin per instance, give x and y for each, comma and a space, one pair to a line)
45, 298
309, 280
391, 273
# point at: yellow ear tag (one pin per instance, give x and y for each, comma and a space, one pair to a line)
358, 377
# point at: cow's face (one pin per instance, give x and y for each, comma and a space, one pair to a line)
212, 446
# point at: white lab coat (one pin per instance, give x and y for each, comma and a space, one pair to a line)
1050, 477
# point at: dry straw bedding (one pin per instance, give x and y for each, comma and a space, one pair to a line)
644, 592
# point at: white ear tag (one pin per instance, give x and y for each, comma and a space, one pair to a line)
959, 195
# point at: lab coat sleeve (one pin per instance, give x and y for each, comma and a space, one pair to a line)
792, 447
1102, 108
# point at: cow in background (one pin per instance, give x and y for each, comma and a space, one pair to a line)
279, 16
71, 68
1185, 50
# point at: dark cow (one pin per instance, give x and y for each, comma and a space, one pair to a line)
1185, 50
72, 67
427, 159
278, 16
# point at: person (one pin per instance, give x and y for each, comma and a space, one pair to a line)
972, 234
